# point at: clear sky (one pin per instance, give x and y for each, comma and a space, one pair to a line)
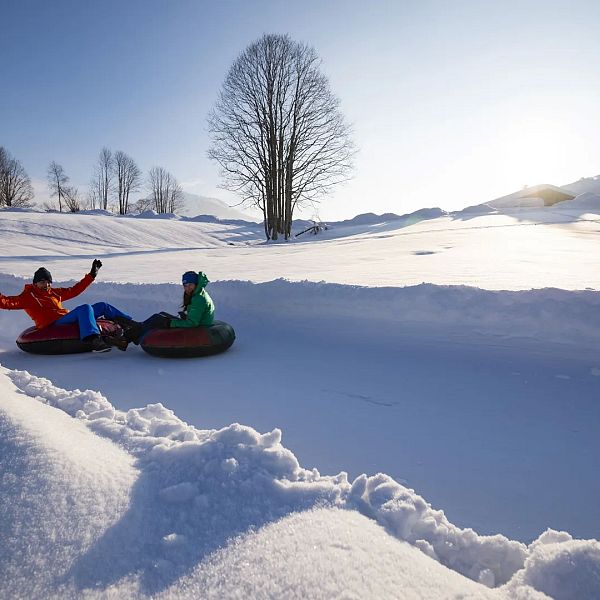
452, 102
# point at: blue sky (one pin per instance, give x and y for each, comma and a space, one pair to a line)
452, 103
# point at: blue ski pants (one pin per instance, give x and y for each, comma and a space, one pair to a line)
86, 314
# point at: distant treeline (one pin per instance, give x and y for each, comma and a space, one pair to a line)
116, 176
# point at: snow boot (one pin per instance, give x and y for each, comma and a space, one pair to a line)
118, 342
134, 332
98, 344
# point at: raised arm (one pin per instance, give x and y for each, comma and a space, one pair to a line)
78, 288
11, 302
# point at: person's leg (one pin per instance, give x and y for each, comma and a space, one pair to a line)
83, 315
108, 311
138, 330
103, 309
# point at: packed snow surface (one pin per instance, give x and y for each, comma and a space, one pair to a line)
313, 458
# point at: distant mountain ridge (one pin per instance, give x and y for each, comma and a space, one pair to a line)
584, 185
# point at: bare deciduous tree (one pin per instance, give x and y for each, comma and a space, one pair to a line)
15, 185
277, 131
128, 178
92, 198
57, 182
165, 193
101, 184
143, 204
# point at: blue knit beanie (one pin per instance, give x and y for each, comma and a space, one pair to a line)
189, 277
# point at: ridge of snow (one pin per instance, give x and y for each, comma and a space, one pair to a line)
191, 462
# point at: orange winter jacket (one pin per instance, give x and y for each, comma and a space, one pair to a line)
44, 307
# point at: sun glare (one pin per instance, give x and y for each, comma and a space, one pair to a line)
537, 150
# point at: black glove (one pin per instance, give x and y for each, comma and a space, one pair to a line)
95, 267
182, 315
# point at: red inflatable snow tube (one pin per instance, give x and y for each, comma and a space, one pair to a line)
189, 342
61, 339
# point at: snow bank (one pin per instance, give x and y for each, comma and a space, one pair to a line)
198, 488
544, 315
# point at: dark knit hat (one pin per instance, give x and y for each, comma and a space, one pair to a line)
189, 277
42, 274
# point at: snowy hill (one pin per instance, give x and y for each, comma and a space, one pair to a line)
401, 414
529, 197
584, 185
541, 195
586, 202
195, 205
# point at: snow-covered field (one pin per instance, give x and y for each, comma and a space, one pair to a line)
382, 374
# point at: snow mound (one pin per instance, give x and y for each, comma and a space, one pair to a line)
194, 490
96, 211
321, 554
60, 488
585, 184
587, 201
561, 567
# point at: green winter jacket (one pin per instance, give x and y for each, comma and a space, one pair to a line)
201, 310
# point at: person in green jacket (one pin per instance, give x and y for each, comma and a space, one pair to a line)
198, 309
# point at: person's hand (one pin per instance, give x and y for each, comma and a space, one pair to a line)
95, 267
182, 315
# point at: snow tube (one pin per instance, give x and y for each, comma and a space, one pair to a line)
61, 339
189, 342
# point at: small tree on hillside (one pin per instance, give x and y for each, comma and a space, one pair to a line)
142, 205
15, 185
277, 131
127, 177
57, 182
71, 198
165, 193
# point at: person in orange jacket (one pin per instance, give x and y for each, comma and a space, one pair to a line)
44, 305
